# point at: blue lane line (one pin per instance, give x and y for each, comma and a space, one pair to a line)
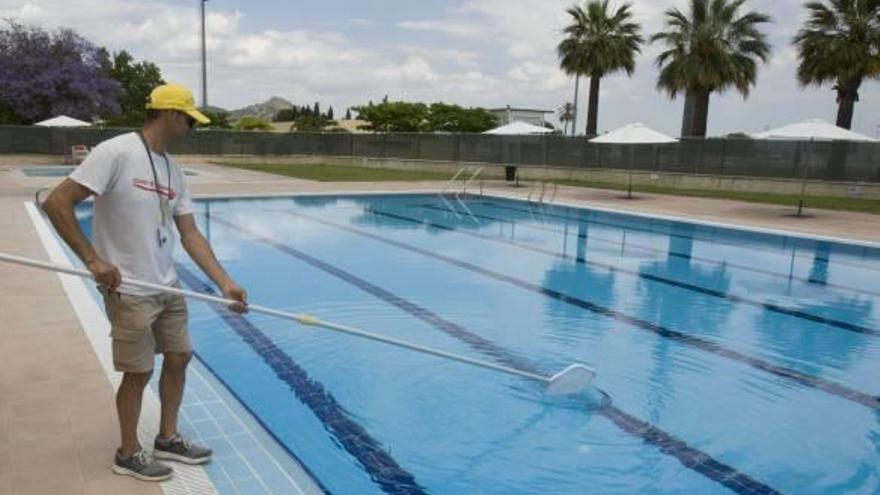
688, 456
828, 386
666, 252
378, 463
844, 325
652, 231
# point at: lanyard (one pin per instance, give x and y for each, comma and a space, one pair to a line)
158, 186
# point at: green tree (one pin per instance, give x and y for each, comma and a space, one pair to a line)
738, 135
251, 123
712, 48
839, 43
219, 119
566, 115
285, 115
311, 123
394, 116
453, 118
137, 79
330, 112
599, 42
348, 114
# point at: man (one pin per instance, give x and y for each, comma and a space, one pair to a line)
139, 191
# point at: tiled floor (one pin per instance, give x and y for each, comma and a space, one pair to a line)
57, 421
243, 464
56, 403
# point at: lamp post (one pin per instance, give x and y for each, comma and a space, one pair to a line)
204, 63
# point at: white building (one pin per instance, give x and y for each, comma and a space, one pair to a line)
506, 115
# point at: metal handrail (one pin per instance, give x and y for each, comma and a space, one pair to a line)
452, 180
473, 176
531, 190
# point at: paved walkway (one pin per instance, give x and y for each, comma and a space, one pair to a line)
57, 420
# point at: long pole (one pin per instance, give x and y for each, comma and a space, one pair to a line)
573, 378
803, 167
629, 182
574, 117
204, 59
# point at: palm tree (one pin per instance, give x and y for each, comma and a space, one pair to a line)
712, 48
566, 115
598, 42
840, 44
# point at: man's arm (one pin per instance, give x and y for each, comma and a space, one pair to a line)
59, 207
200, 251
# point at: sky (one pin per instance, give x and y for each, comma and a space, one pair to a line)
488, 53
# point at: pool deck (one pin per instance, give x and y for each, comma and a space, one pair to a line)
57, 413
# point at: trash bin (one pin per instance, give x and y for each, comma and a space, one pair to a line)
510, 173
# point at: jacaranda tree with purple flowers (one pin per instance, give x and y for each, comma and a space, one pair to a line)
47, 74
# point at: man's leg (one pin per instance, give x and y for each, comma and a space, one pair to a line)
128, 407
132, 459
171, 385
133, 347
173, 339
170, 444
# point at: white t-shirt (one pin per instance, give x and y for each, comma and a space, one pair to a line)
127, 223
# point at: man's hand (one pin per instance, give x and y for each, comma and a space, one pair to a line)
105, 273
232, 291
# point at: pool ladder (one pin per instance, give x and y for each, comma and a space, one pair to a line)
476, 171
457, 195
544, 190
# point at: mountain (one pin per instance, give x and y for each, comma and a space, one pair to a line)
213, 109
266, 110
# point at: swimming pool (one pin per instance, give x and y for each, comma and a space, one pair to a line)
733, 361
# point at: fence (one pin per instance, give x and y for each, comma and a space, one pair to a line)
832, 161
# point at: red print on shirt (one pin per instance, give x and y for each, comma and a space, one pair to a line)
148, 185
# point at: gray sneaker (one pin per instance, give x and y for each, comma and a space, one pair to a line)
180, 449
142, 466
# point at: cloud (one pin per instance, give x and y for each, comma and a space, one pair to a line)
543, 77
451, 27
481, 53
461, 58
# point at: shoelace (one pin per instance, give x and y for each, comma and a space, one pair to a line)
142, 457
179, 439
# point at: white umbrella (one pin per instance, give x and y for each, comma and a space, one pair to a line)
810, 130
63, 121
518, 127
633, 134
814, 129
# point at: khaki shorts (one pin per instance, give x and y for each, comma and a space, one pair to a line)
142, 326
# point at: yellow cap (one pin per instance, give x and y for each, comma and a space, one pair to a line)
175, 97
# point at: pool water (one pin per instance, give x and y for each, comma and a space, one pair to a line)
727, 361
